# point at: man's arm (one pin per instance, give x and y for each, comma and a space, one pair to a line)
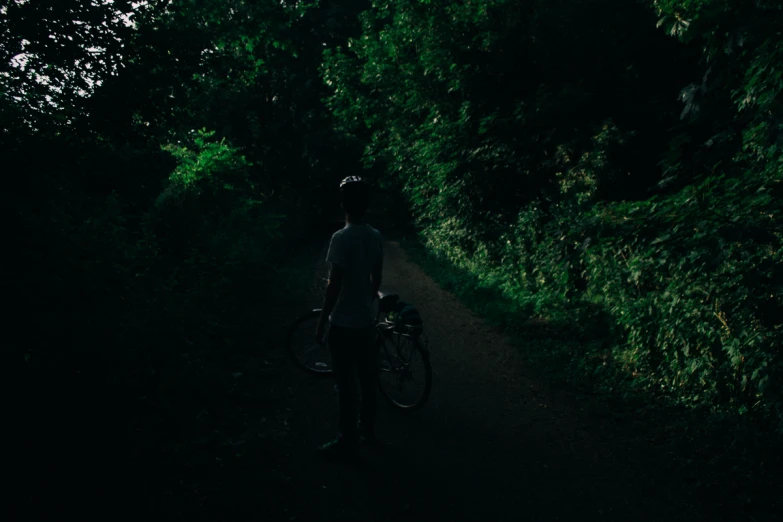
376, 277
332, 292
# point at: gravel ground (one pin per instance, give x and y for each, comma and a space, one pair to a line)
492, 443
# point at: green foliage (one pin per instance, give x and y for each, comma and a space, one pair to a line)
696, 291
608, 172
212, 171
52, 54
582, 192
152, 261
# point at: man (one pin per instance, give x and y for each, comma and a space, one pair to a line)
356, 258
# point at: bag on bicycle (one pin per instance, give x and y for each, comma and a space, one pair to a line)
405, 314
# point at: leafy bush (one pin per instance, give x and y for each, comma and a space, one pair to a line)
584, 191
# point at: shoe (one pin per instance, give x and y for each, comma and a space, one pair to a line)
340, 449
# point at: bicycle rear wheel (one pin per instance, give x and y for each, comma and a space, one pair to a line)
302, 348
405, 371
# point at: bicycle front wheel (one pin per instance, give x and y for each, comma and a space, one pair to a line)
302, 348
405, 372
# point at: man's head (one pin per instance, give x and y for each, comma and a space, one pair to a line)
354, 196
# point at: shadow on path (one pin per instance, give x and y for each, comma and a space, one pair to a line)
491, 444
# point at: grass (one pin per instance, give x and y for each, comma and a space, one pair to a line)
734, 458
204, 440
227, 458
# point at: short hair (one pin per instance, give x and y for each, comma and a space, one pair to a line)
355, 198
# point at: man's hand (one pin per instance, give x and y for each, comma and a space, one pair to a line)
332, 292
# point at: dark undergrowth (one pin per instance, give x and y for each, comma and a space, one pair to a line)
730, 459
207, 441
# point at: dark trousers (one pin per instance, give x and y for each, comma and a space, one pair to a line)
354, 354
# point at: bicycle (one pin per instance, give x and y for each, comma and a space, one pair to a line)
403, 354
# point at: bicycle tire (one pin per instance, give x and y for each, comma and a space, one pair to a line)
293, 349
425, 357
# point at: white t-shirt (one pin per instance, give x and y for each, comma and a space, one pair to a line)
357, 248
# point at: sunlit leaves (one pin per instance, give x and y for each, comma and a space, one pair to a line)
210, 165
54, 54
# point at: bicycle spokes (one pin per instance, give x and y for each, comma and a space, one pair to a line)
306, 353
403, 372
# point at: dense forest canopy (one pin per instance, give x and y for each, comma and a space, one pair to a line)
614, 161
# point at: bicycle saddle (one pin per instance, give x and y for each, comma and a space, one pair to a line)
387, 301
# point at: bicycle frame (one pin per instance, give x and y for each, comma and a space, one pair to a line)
384, 330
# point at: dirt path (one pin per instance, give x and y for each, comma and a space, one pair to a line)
491, 444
